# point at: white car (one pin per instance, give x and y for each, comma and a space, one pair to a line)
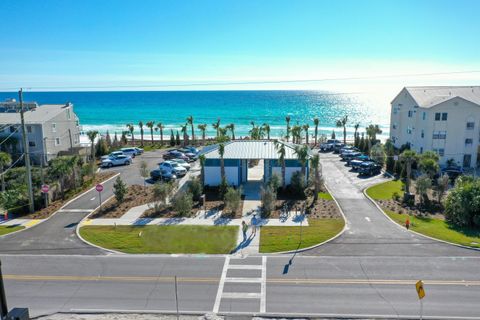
183, 163
113, 154
132, 152
171, 166
120, 160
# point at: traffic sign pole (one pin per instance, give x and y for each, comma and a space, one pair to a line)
99, 188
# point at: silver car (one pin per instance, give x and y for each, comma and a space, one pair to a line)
121, 160
183, 163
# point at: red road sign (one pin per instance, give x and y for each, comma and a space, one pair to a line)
45, 188
99, 187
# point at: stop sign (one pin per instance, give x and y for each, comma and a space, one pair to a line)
99, 187
45, 188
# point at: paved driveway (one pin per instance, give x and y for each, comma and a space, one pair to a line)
369, 232
58, 234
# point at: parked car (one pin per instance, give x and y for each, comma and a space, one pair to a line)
119, 160
369, 168
453, 172
113, 154
175, 154
183, 163
356, 161
132, 152
191, 156
337, 146
192, 149
139, 150
350, 155
173, 167
162, 175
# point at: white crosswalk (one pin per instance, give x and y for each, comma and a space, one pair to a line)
262, 280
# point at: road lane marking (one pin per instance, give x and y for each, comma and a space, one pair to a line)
368, 219
92, 199
263, 288
243, 280
75, 210
245, 267
218, 298
241, 295
169, 279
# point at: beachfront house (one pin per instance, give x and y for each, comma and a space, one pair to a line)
52, 130
442, 119
249, 160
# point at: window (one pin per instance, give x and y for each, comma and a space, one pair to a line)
29, 129
31, 143
421, 149
444, 116
395, 110
410, 113
394, 126
424, 116
409, 130
440, 152
423, 134
54, 127
468, 141
57, 141
439, 134
77, 123
470, 125
437, 116
12, 129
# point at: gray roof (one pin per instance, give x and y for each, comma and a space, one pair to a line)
39, 115
250, 149
427, 97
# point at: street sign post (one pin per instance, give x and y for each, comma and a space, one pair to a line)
45, 188
99, 189
421, 295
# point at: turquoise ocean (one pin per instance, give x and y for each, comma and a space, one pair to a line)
111, 111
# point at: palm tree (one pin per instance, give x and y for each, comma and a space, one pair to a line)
184, 132
190, 122
305, 128
343, 123
150, 125
216, 126
316, 122
266, 128
408, 157
231, 127
372, 131
355, 134
302, 156
140, 124
296, 131
315, 163
202, 127
281, 158
131, 128
5, 160
256, 133
160, 127
60, 168
287, 119
221, 152
73, 163
92, 135
253, 124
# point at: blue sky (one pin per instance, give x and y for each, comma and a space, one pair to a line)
100, 43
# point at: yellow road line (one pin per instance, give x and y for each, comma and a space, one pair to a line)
215, 280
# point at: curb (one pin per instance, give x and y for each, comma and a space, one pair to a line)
345, 227
414, 232
66, 204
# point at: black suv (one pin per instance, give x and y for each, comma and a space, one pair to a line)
369, 168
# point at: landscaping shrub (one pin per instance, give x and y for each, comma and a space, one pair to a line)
195, 188
297, 184
223, 187
269, 197
275, 181
161, 191
119, 190
462, 205
232, 199
183, 203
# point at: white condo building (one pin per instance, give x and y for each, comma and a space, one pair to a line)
441, 119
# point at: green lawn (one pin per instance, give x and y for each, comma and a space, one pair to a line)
9, 229
277, 239
325, 195
163, 239
385, 191
440, 229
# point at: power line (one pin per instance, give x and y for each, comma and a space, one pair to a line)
11, 134
226, 83
12, 165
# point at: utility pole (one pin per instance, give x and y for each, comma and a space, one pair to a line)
26, 154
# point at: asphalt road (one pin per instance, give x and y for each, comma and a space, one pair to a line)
315, 286
57, 235
369, 232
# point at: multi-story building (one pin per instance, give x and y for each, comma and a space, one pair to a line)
441, 119
51, 130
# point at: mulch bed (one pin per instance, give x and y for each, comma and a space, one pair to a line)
136, 196
57, 204
397, 207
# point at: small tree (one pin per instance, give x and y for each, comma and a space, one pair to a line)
232, 199
442, 186
183, 203
390, 153
161, 192
223, 187
268, 197
172, 139
297, 184
378, 154
177, 139
144, 172
423, 184
275, 181
101, 147
195, 188
119, 190
462, 206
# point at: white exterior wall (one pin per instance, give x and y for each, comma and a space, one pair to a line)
459, 113
213, 176
289, 171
